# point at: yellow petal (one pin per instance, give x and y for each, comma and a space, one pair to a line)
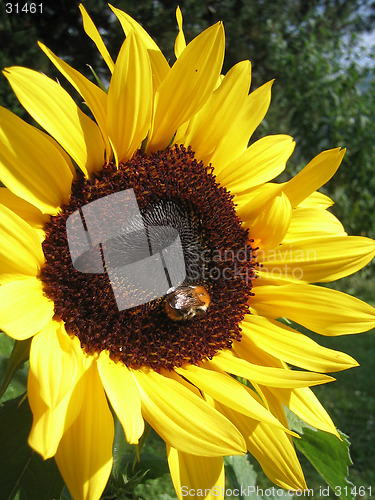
264, 375
315, 260
284, 462
199, 474
19, 239
159, 64
92, 31
129, 99
322, 310
95, 98
184, 420
49, 422
312, 222
187, 85
272, 448
180, 43
253, 200
84, 456
53, 108
313, 176
209, 127
260, 358
306, 405
20, 249
243, 127
293, 347
250, 204
181, 132
228, 391
31, 166
276, 455
261, 162
62, 151
53, 362
24, 309
271, 224
123, 395
316, 200
22, 208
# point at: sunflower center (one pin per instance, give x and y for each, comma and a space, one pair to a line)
188, 228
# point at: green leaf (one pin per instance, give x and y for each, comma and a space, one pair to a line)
165, 496
19, 355
128, 472
65, 495
154, 465
330, 457
22, 470
295, 423
242, 476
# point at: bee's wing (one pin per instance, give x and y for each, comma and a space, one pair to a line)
185, 299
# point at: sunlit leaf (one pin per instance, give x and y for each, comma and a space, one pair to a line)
329, 455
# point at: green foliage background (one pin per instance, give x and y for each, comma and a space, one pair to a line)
320, 54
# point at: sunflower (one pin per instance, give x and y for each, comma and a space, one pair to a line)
211, 377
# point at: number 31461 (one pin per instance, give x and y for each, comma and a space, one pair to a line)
26, 8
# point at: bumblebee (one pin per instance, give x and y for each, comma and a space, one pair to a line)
186, 302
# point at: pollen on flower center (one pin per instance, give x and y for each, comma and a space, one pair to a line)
174, 189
